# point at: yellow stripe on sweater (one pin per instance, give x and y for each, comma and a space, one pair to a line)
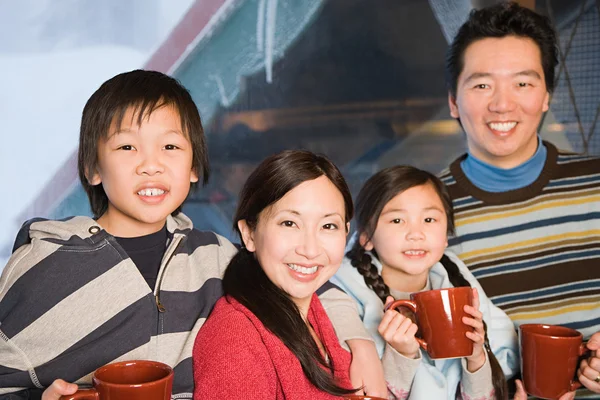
538, 207
526, 243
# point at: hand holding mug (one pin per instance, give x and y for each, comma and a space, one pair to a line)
399, 331
522, 395
58, 388
589, 369
477, 359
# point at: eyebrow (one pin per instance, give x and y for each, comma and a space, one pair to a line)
298, 214
432, 208
479, 75
117, 132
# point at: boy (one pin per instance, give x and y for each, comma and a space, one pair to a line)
135, 282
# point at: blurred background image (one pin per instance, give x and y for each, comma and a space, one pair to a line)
361, 81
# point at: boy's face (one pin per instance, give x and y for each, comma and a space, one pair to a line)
501, 96
145, 170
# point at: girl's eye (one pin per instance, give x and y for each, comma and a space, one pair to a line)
171, 147
330, 227
523, 84
396, 221
481, 86
126, 147
429, 220
289, 224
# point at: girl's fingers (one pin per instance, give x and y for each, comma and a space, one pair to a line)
475, 323
475, 299
474, 312
475, 337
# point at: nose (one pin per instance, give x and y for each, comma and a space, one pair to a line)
415, 232
502, 100
310, 246
150, 163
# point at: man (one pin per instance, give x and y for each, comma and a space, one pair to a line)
527, 214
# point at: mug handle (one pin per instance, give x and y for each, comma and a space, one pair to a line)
82, 394
412, 306
575, 384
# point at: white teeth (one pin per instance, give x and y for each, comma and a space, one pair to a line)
502, 126
414, 252
151, 192
303, 270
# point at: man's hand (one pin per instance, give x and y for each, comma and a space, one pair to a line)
57, 389
366, 369
589, 369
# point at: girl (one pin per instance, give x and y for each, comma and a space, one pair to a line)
404, 216
269, 337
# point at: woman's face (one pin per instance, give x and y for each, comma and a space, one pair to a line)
299, 241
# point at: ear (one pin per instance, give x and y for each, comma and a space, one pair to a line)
247, 235
347, 228
546, 104
194, 176
453, 106
364, 242
94, 179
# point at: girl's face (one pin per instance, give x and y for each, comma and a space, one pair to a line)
410, 236
299, 241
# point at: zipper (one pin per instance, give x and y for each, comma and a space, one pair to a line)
159, 305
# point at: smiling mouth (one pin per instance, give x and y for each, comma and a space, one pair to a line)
502, 126
303, 270
414, 252
151, 192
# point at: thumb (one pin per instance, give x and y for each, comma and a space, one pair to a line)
593, 343
389, 300
59, 388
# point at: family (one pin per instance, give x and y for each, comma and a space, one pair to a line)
300, 309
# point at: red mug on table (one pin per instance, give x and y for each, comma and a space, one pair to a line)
439, 317
549, 358
129, 380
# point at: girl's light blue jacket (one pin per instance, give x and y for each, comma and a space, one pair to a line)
435, 379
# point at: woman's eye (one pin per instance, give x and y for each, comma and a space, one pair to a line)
289, 224
330, 226
126, 147
171, 147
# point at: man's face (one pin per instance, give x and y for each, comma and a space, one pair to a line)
500, 98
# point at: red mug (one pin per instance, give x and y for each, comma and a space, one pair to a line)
361, 397
439, 317
129, 380
549, 358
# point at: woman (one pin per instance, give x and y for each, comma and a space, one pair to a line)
269, 336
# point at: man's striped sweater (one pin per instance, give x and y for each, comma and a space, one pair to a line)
535, 250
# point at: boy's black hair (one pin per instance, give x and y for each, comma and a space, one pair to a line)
498, 21
145, 92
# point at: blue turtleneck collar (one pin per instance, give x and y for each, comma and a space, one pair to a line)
493, 179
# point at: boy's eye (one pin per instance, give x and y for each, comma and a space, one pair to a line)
126, 147
171, 147
289, 224
330, 227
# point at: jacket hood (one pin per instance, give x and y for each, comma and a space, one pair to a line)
80, 227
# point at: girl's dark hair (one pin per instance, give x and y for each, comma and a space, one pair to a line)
498, 21
372, 198
245, 279
145, 92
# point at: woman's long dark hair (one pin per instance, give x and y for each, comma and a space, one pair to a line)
375, 194
245, 279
